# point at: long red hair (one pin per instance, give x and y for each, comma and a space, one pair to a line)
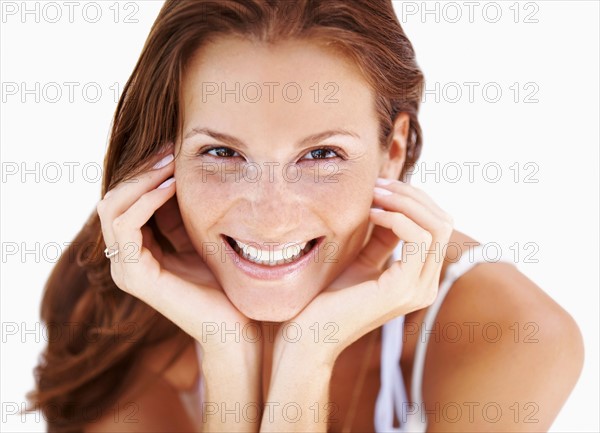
83, 373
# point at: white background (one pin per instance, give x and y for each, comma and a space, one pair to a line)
558, 135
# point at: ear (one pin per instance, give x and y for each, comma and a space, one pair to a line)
395, 156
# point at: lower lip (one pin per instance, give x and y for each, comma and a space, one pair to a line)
264, 272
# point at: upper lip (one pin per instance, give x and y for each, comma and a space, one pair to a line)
270, 245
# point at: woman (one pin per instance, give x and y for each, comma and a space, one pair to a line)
267, 270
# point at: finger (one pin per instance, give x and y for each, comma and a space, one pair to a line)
122, 198
407, 230
413, 209
440, 227
432, 269
409, 190
128, 191
127, 232
105, 224
119, 199
382, 243
154, 160
128, 225
169, 221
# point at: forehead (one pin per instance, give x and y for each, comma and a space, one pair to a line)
233, 78
232, 58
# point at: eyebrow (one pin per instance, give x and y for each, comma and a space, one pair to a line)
230, 139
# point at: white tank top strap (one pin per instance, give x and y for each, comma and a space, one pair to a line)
392, 397
392, 389
392, 394
467, 261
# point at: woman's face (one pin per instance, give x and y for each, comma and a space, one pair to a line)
280, 152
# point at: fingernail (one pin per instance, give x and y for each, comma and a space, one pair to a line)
166, 160
166, 183
376, 210
382, 191
383, 181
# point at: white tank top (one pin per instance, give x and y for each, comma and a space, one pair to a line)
392, 398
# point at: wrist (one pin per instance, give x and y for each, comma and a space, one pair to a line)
232, 390
301, 383
248, 356
310, 349
301, 360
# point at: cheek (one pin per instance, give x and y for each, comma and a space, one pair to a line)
339, 195
200, 201
343, 200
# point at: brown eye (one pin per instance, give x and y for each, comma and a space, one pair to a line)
221, 152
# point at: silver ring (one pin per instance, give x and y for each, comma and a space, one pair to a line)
110, 253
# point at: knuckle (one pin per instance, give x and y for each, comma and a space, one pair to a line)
426, 237
145, 199
101, 207
446, 227
119, 224
449, 219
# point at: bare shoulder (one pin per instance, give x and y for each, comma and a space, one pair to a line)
152, 402
156, 409
501, 350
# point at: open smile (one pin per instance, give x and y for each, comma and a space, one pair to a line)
272, 256
276, 260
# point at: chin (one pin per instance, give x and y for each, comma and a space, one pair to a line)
268, 306
271, 313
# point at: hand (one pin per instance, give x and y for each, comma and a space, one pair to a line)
179, 285
366, 295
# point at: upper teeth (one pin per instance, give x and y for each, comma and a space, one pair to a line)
289, 252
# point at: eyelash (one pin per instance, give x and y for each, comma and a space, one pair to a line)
205, 151
335, 150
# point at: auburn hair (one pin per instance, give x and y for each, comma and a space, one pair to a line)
98, 330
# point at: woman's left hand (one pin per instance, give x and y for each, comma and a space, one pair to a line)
367, 295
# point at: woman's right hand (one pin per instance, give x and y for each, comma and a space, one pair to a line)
182, 289
179, 285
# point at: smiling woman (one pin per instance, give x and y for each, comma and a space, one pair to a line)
262, 240
310, 187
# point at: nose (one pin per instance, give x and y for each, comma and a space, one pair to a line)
272, 205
